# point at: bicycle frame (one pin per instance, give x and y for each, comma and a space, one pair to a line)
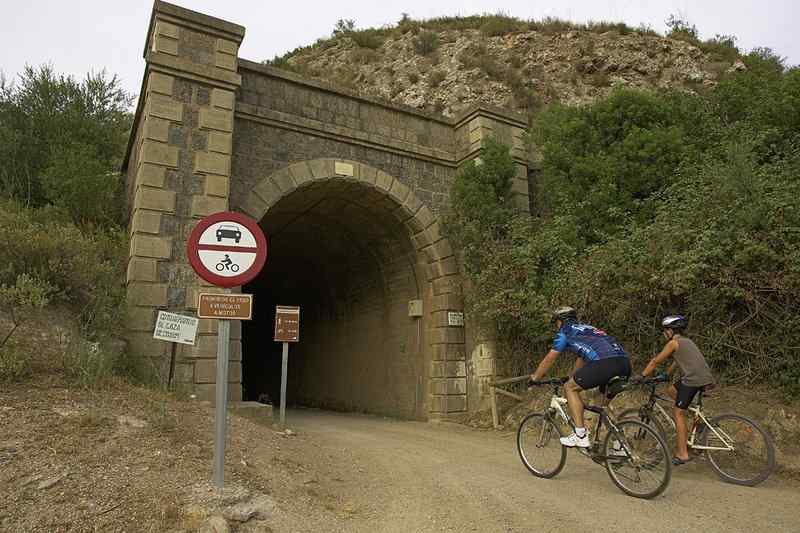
700, 420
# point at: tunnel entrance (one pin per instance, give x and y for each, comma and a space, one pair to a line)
336, 250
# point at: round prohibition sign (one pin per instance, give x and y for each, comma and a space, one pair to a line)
227, 249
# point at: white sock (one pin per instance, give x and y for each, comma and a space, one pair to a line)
581, 432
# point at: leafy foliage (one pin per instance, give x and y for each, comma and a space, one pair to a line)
649, 204
62, 141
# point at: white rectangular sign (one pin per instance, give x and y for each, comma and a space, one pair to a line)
173, 327
455, 318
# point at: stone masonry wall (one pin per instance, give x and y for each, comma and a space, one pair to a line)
213, 130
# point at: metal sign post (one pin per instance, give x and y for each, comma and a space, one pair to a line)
221, 414
287, 329
228, 250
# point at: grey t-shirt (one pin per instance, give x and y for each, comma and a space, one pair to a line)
696, 372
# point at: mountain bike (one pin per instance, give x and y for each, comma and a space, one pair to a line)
738, 449
635, 456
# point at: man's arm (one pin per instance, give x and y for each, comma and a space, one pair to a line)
545, 365
668, 350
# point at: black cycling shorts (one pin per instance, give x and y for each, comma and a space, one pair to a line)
686, 394
598, 373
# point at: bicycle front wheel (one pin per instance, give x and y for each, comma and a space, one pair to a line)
539, 447
637, 459
741, 452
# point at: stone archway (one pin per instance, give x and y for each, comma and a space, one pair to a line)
373, 226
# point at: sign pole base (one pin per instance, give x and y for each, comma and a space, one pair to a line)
220, 417
284, 370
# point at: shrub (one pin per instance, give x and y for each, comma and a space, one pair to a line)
371, 39
365, 56
497, 25
413, 77
436, 77
426, 42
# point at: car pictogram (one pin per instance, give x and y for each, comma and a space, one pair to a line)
228, 232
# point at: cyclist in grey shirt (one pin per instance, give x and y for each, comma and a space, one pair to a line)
696, 375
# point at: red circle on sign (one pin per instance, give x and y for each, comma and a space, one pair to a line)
193, 248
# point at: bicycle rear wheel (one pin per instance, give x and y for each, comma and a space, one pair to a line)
539, 447
752, 457
641, 464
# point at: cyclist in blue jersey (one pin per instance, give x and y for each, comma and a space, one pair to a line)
600, 358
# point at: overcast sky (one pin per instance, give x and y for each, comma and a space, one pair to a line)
77, 36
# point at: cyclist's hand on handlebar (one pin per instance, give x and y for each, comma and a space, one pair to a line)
663, 376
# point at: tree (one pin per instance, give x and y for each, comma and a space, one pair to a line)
62, 142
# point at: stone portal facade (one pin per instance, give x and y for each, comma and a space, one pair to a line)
349, 191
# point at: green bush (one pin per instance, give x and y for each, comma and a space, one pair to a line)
426, 42
648, 204
497, 25
436, 77
371, 39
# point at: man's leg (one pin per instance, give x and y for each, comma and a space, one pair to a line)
573, 393
681, 450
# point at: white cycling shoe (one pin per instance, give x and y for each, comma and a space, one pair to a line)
574, 440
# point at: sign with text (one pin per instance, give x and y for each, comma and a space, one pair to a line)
455, 318
225, 306
173, 327
287, 323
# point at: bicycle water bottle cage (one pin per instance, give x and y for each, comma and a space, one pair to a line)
614, 386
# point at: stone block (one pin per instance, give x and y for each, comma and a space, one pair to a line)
222, 99
438, 251
456, 404
167, 29
217, 186
219, 142
448, 352
156, 128
164, 107
485, 367
410, 207
399, 191
144, 221
446, 335
268, 191
149, 174
160, 83
147, 294
206, 205
254, 206
455, 369
421, 240
439, 404
447, 302
438, 369
446, 284
155, 199
225, 61
321, 168
456, 386
216, 119
341, 168
159, 154
212, 163
383, 181
142, 269
283, 180
207, 392
367, 175
151, 246
205, 371
443, 267
421, 220
227, 47
165, 45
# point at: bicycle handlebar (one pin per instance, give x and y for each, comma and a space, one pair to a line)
641, 380
553, 381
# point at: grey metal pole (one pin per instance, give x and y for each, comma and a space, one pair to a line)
284, 369
220, 417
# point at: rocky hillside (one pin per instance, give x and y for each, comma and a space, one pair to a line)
447, 64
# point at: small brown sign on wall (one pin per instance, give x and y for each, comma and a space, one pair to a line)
287, 323
225, 306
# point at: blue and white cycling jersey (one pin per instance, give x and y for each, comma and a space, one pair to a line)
588, 342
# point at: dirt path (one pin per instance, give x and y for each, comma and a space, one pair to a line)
415, 477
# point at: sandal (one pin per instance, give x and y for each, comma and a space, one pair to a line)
677, 461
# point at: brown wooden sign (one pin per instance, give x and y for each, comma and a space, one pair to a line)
287, 323
225, 306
